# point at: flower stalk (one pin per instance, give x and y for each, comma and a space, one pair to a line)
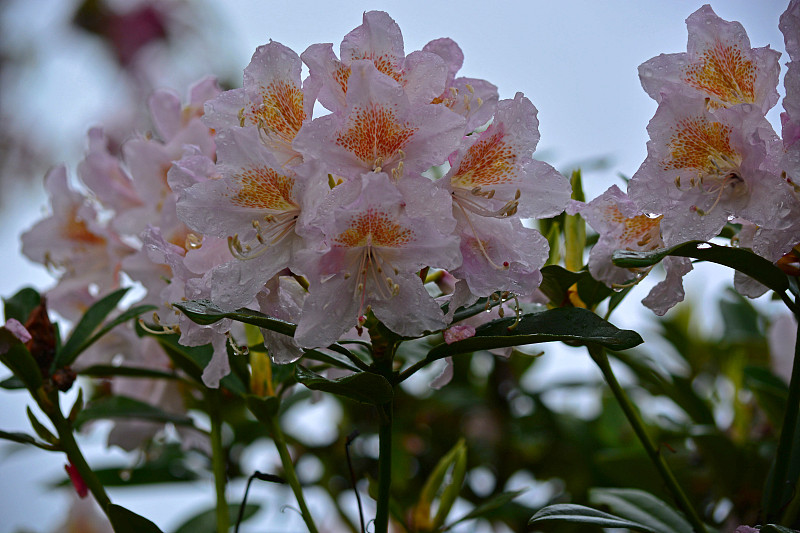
599, 356
218, 462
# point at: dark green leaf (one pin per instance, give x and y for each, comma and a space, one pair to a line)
124, 407
569, 512
21, 304
488, 506
12, 383
740, 259
556, 281
592, 292
90, 321
363, 387
19, 360
125, 521
133, 312
21, 438
205, 312
264, 409
206, 521
641, 507
322, 357
127, 371
569, 324
40, 428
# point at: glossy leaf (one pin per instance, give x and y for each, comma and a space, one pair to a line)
124, 407
126, 371
206, 521
21, 304
568, 512
87, 325
774, 528
641, 507
568, 324
125, 521
205, 312
20, 438
770, 391
363, 387
740, 259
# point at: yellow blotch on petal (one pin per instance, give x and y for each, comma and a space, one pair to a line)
490, 161
375, 133
699, 144
374, 228
723, 72
264, 188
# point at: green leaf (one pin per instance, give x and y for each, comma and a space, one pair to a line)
363, 387
205, 312
124, 407
568, 324
133, 312
264, 409
487, 507
90, 321
435, 483
125, 521
21, 304
206, 521
740, 259
21, 438
569, 512
12, 383
99, 371
556, 281
575, 228
641, 507
19, 360
40, 428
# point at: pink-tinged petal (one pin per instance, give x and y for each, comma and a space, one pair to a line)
199, 93
104, 176
283, 299
226, 110
15, 328
747, 286
669, 292
495, 175
379, 40
461, 297
379, 130
450, 52
218, 367
719, 64
194, 167
369, 258
789, 25
474, 99
703, 167
458, 333
445, 376
621, 227
500, 255
165, 111
328, 74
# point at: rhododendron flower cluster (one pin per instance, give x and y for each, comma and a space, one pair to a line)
245, 198
712, 157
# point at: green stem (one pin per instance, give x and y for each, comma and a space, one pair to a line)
218, 460
67, 443
384, 468
291, 476
781, 482
599, 356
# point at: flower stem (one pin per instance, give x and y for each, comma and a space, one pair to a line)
781, 481
218, 460
599, 356
291, 476
384, 468
67, 443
